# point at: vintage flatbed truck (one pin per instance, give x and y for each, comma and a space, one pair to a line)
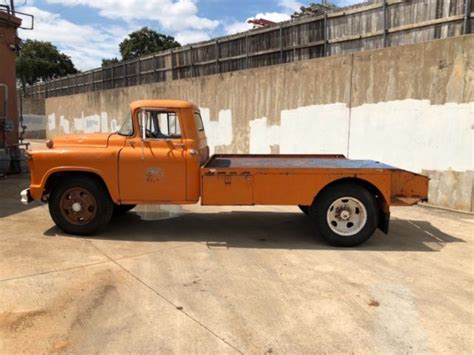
161, 156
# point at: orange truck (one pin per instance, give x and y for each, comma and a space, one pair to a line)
160, 156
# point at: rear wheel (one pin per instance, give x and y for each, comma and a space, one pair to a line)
80, 205
345, 214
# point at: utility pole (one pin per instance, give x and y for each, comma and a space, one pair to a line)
12, 7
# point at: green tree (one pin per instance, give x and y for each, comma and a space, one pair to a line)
107, 62
145, 41
40, 60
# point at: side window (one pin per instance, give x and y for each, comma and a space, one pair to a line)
198, 119
159, 124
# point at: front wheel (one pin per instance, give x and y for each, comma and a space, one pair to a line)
80, 205
345, 214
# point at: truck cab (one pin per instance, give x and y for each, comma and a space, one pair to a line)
160, 156
164, 148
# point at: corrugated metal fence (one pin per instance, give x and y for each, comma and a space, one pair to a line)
366, 26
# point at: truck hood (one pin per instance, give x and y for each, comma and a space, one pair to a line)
99, 140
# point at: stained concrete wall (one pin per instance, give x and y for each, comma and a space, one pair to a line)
409, 106
34, 117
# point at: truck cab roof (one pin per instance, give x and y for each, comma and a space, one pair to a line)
162, 103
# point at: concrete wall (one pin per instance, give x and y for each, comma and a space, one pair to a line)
409, 106
34, 117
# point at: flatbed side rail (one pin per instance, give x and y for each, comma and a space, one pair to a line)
211, 162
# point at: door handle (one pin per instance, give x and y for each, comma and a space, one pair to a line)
179, 145
132, 143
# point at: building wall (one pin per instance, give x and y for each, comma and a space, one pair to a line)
8, 41
409, 106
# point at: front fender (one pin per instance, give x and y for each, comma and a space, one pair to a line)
45, 164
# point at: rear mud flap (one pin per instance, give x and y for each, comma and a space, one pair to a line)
384, 222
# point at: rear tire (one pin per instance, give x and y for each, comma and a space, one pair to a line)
122, 209
345, 214
80, 205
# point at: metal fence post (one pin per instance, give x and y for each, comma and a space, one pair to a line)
467, 15
139, 71
172, 64
325, 34
125, 79
112, 84
155, 64
385, 23
218, 68
191, 60
281, 43
247, 50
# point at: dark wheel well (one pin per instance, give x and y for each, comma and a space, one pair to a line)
54, 178
381, 202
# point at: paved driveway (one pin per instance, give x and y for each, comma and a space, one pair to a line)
232, 280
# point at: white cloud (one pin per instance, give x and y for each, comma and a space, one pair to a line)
237, 27
173, 15
291, 5
186, 37
85, 44
343, 3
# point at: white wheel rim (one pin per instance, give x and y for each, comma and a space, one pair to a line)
346, 216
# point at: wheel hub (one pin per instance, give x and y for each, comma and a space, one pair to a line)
76, 207
346, 216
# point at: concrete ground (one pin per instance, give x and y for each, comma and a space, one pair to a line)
232, 280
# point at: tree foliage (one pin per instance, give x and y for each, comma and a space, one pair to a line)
145, 41
40, 60
106, 62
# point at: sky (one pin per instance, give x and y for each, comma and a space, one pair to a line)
90, 30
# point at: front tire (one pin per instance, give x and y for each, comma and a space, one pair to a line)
80, 205
345, 214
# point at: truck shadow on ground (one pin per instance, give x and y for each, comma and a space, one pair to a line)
280, 230
10, 188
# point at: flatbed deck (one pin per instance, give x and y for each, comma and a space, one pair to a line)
231, 179
291, 161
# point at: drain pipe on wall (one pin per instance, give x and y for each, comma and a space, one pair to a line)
3, 125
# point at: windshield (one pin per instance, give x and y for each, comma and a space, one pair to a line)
127, 127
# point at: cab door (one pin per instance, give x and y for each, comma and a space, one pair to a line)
152, 164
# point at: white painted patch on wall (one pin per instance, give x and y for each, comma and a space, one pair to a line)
104, 122
410, 134
264, 135
87, 124
309, 129
218, 132
92, 124
78, 124
64, 124
114, 127
414, 135
52, 121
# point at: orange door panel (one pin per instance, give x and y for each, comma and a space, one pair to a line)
154, 171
